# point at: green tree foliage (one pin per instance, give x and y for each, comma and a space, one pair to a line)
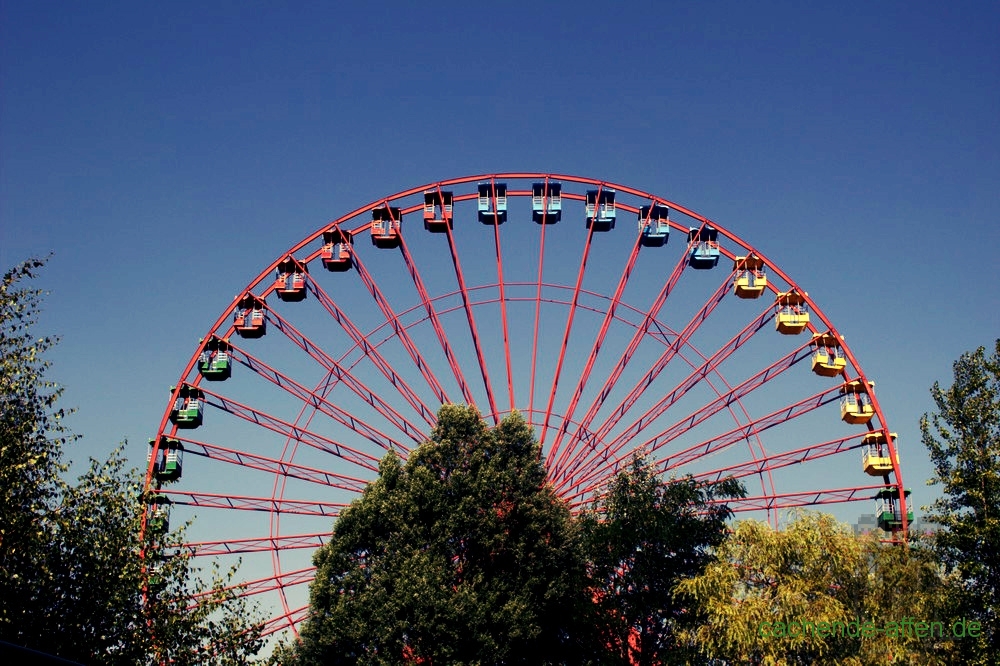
766, 585
31, 439
464, 555
71, 578
963, 438
642, 539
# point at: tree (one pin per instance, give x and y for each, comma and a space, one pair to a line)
71, 579
816, 593
463, 555
31, 438
963, 439
643, 537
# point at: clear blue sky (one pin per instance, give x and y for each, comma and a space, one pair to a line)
166, 153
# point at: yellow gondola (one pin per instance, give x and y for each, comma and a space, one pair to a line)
792, 313
828, 358
855, 403
750, 279
875, 454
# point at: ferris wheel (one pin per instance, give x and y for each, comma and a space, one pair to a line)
615, 321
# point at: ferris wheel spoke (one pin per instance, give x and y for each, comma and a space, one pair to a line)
401, 334
432, 314
784, 459
800, 499
272, 465
611, 459
778, 417
650, 318
503, 294
336, 369
472, 322
671, 397
262, 585
594, 351
370, 351
247, 503
318, 402
287, 620
565, 341
668, 354
255, 545
538, 299
291, 431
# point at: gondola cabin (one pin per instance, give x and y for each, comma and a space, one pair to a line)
336, 251
492, 203
875, 453
856, 403
214, 362
438, 211
654, 225
828, 358
703, 247
792, 314
188, 408
159, 514
248, 319
386, 224
600, 205
546, 202
290, 280
154, 579
750, 280
170, 458
890, 516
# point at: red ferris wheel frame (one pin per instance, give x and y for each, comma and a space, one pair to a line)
580, 453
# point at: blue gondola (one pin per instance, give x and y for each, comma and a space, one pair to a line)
546, 202
654, 225
488, 193
601, 209
704, 247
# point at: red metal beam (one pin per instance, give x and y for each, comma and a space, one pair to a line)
337, 370
671, 397
272, 465
594, 351
803, 498
291, 431
780, 416
370, 351
425, 299
608, 459
247, 503
538, 301
783, 459
649, 317
404, 338
472, 322
503, 295
263, 585
668, 354
256, 545
320, 403
569, 327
